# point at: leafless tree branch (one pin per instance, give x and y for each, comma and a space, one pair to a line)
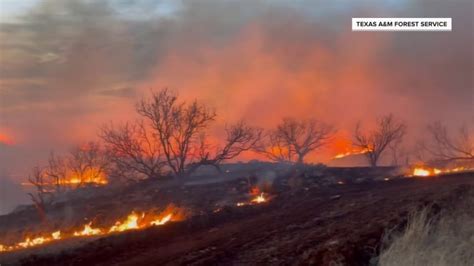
133, 149
293, 139
177, 125
388, 131
442, 146
240, 137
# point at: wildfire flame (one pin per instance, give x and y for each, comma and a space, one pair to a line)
426, 171
88, 231
421, 172
162, 221
31, 242
91, 177
352, 152
56, 235
131, 222
259, 199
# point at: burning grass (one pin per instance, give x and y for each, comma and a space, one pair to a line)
258, 197
261, 198
428, 171
350, 153
93, 176
133, 221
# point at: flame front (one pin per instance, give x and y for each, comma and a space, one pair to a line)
426, 171
421, 172
132, 221
352, 152
91, 176
88, 231
31, 242
162, 221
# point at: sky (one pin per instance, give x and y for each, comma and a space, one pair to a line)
67, 67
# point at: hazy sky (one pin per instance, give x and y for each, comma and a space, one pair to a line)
67, 67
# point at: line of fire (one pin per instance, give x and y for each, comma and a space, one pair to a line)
236, 132
170, 145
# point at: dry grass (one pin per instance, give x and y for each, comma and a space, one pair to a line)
443, 240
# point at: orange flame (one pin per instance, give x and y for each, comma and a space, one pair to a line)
162, 221
421, 172
259, 199
90, 176
349, 153
31, 242
131, 222
88, 231
426, 171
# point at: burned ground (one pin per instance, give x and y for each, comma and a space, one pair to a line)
306, 222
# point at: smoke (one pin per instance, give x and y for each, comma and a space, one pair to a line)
69, 66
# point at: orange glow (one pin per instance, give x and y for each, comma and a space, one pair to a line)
132, 222
128, 224
88, 231
352, 152
90, 177
255, 191
6, 139
31, 242
56, 235
161, 221
259, 199
426, 171
421, 172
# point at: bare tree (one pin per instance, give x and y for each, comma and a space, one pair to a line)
240, 137
388, 132
275, 148
56, 171
445, 147
177, 125
293, 139
88, 164
133, 149
85, 164
42, 194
